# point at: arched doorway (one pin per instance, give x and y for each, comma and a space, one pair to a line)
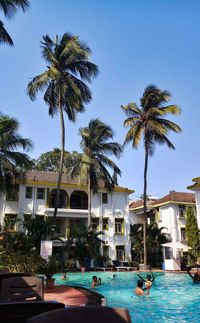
79, 200
63, 199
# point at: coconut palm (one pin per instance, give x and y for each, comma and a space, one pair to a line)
9, 8
11, 160
93, 163
62, 81
149, 123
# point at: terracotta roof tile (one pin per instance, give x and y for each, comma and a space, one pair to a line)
173, 196
177, 197
140, 203
46, 177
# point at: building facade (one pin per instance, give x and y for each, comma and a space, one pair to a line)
36, 197
169, 212
195, 187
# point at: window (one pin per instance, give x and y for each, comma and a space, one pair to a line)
27, 218
181, 211
106, 251
12, 194
183, 234
105, 224
10, 222
105, 198
120, 253
119, 226
40, 193
28, 194
95, 223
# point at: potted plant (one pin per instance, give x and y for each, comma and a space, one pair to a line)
48, 268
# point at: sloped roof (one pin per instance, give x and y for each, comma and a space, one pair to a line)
46, 177
139, 203
177, 197
173, 196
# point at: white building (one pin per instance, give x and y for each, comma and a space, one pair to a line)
110, 211
196, 188
169, 212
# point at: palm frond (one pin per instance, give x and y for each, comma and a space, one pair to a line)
4, 36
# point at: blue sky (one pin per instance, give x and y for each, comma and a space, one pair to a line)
134, 43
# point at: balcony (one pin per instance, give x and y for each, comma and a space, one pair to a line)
67, 213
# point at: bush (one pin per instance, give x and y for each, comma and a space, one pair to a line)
21, 263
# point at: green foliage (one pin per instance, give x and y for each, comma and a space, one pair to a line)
12, 161
86, 241
149, 123
192, 233
63, 82
48, 267
37, 229
67, 58
94, 161
15, 251
9, 8
155, 237
49, 161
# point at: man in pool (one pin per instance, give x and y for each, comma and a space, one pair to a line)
64, 277
195, 277
139, 291
150, 278
95, 282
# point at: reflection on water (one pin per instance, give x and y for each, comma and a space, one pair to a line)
172, 298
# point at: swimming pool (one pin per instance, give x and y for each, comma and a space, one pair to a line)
172, 298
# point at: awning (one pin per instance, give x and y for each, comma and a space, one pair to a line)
176, 245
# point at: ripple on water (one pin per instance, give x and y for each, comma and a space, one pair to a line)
172, 298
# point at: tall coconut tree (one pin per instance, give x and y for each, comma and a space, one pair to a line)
92, 164
9, 8
65, 91
149, 123
12, 161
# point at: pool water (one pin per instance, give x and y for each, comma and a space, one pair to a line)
172, 297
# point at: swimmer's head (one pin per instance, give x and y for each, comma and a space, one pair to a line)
94, 278
140, 283
148, 277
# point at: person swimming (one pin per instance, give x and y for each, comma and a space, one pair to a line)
64, 276
195, 277
150, 278
95, 282
139, 291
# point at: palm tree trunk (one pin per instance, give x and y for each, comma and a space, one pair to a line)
145, 203
61, 161
89, 199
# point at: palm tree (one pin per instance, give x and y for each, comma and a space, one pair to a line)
64, 91
87, 242
9, 8
12, 162
155, 238
93, 162
148, 122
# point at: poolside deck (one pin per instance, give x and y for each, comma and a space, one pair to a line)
66, 294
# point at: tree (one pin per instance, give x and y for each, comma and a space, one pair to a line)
12, 162
64, 91
86, 240
94, 162
192, 232
37, 229
155, 238
148, 122
9, 8
49, 161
